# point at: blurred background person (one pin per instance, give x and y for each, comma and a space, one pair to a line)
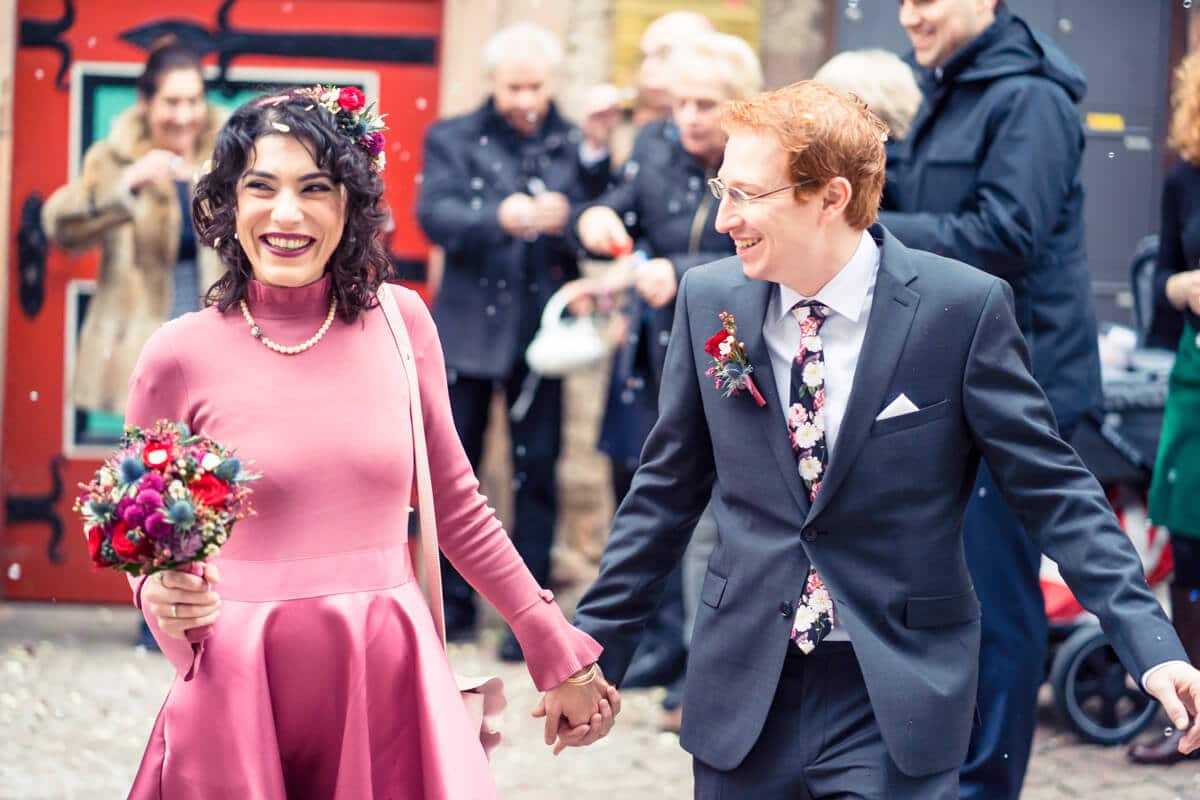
664, 209
132, 199
654, 76
1175, 486
989, 174
496, 193
883, 80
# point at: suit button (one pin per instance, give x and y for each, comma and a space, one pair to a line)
785, 609
809, 535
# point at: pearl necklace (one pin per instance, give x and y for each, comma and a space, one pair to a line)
257, 333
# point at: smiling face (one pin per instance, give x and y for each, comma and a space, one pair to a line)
940, 28
768, 232
175, 114
696, 110
522, 93
290, 213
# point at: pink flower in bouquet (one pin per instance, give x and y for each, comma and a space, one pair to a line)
152, 480
374, 143
149, 499
157, 525
134, 515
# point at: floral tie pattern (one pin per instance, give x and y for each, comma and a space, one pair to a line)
806, 429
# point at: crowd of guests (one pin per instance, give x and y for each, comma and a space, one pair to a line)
984, 153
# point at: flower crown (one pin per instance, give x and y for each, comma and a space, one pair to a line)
357, 120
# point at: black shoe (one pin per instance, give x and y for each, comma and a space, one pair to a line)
510, 650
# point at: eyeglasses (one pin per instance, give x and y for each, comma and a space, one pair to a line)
739, 198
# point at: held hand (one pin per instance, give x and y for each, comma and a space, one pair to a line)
550, 211
180, 601
157, 166
601, 231
601, 114
578, 714
516, 215
1177, 687
656, 282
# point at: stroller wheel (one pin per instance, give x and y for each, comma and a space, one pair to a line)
1094, 693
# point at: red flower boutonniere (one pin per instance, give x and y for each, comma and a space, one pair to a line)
731, 369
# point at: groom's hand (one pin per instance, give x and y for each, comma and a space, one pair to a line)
1177, 686
578, 715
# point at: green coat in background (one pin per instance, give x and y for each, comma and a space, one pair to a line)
1175, 488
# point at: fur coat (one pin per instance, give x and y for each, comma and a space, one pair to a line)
138, 237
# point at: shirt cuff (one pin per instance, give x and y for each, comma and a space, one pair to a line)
1146, 675
553, 648
590, 155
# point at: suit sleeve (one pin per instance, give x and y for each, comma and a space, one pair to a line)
654, 523
1056, 498
469, 534
444, 208
1025, 176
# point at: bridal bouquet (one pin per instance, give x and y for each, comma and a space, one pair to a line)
166, 498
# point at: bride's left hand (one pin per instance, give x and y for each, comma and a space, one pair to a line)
578, 715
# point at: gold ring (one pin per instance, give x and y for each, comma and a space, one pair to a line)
175, 610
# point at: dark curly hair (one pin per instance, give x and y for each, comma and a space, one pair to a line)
359, 264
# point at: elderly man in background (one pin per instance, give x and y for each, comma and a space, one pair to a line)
497, 190
989, 175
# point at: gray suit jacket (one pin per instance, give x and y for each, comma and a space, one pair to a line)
885, 532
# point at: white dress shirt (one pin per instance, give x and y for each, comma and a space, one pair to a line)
848, 297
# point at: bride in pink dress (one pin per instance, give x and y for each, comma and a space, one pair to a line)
323, 676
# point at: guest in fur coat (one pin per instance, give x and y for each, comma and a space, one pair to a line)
132, 199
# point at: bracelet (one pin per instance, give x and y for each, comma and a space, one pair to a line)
585, 679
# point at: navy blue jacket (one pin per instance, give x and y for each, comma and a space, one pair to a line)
989, 175
669, 213
495, 285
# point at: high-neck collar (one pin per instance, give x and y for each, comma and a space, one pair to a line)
286, 302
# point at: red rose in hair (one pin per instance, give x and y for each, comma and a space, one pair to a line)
209, 490
129, 544
351, 99
157, 455
713, 345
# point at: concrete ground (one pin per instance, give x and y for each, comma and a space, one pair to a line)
77, 701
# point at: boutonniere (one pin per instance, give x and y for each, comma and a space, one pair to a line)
731, 371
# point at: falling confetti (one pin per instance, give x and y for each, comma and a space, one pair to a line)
14, 572
422, 103
33, 396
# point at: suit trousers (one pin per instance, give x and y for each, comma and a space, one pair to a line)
1004, 564
535, 441
820, 741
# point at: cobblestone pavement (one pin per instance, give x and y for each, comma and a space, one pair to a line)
77, 702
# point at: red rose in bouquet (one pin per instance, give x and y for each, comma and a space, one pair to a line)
209, 490
128, 543
157, 455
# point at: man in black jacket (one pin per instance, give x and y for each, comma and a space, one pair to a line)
989, 175
496, 192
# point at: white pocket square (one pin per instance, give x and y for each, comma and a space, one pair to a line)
897, 408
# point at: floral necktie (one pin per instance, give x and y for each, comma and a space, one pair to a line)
806, 429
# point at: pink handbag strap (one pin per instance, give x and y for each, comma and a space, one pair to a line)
425, 547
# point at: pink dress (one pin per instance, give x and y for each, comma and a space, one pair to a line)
324, 677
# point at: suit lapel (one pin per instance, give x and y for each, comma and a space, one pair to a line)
753, 300
892, 311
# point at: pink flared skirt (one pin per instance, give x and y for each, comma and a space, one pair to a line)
323, 678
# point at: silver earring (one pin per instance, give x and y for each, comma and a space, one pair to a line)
235, 237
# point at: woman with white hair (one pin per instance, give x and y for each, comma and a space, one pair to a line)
882, 80
662, 208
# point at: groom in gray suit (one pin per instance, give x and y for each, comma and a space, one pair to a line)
834, 392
